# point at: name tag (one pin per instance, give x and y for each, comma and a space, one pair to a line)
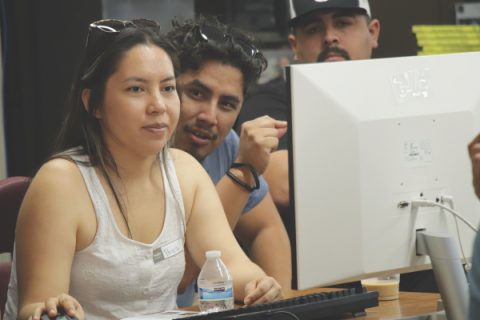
167, 251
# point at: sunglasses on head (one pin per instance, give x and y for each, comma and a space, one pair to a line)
206, 33
112, 26
102, 32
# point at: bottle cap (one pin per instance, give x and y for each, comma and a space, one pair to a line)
213, 254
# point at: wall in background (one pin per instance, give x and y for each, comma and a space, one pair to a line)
267, 19
162, 11
45, 42
397, 17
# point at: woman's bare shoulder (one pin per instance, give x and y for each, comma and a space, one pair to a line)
58, 171
181, 157
56, 189
191, 175
59, 178
185, 164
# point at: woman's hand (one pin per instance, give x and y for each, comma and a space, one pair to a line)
264, 290
68, 303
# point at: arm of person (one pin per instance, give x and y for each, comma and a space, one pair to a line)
262, 230
46, 240
474, 152
233, 196
190, 274
266, 99
208, 229
258, 138
276, 175
474, 277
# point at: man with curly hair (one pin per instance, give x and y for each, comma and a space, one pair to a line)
218, 64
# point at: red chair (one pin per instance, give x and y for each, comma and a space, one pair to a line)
12, 191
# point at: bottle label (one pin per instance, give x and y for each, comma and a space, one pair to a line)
218, 293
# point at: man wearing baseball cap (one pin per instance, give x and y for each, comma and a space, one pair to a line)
320, 31
332, 30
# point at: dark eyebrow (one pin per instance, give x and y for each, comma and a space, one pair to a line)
202, 86
231, 99
142, 80
138, 79
199, 84
170, 78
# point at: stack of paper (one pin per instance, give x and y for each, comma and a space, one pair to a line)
436, 39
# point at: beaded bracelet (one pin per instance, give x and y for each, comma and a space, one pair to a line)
241, 183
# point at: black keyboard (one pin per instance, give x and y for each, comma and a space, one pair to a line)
322, 305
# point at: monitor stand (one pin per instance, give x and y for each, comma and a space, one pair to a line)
449, 274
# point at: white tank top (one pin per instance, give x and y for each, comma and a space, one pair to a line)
117, 277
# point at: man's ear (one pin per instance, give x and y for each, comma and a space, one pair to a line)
374, 29
292, 40
85, 100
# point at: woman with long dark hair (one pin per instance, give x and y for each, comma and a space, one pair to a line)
102, 228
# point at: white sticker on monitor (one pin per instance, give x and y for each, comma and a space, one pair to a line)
417, 152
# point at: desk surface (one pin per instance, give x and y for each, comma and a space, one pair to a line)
408, 304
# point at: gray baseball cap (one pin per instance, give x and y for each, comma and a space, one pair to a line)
299, 8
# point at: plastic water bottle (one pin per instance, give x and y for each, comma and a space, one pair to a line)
215, 285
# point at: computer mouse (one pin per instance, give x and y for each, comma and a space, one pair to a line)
61, 315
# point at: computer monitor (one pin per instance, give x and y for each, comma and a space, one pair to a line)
365, 136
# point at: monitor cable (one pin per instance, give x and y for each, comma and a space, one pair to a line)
449, 201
